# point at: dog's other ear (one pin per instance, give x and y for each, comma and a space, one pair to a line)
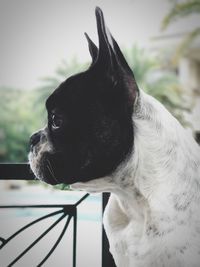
106, 57
111, 60
92, 48
120, 57
128, 73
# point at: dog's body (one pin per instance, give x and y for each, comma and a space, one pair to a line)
153, 214
131, 146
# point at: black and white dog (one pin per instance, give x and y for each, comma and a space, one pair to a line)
106, 135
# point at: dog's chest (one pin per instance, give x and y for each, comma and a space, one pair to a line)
125, 235
138, 242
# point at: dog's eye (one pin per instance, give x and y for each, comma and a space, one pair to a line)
56, 122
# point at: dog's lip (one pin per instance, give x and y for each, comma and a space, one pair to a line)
52, 180
47, 180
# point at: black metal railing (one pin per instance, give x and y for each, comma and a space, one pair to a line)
67, 213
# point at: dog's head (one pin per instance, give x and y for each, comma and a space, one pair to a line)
90, 128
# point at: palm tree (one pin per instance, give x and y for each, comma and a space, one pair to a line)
16, 129
181, 10
63, 71
152, 76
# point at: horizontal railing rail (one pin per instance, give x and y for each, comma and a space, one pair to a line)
16, 171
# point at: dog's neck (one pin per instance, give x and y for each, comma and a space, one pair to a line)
162, 163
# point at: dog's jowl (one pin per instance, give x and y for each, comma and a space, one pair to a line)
106, 135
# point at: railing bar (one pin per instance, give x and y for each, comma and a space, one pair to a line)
74, 238
57, 242
80, 200
16, 171
28, 225
37, 206
3, 241
37, 240
107, 259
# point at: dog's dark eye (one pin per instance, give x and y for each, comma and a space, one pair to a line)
56, 122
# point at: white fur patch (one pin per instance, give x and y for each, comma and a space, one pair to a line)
35, 157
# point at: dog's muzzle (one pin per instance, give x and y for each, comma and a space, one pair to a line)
34, 140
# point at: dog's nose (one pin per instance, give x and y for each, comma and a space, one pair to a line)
34, 139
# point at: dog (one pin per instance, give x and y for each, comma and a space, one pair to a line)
104, 134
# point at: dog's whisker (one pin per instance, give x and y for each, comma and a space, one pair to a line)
51, 170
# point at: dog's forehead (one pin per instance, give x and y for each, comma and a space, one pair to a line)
82, 90
77, 88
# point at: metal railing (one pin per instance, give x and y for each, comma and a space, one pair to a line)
66, 213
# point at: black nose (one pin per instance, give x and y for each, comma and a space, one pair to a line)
34, 139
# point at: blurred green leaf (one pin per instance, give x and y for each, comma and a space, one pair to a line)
178, 11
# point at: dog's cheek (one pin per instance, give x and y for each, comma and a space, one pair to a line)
38, 157
35, 164
96, 153
108, 140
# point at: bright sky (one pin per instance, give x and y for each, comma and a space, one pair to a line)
36, 35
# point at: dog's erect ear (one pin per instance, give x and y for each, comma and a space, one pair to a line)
108, 48
106, 56
120, 57
92, 48
111, 59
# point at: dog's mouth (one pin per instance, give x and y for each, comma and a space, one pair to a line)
40, 158
50, 176
42, 169
46, 176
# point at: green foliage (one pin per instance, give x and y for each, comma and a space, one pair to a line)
17, 122
157, 81
141, 63
183, 46
178, 11
63, 71
62, 187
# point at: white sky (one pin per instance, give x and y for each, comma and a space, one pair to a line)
35, 35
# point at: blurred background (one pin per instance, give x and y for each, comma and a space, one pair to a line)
42, 43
